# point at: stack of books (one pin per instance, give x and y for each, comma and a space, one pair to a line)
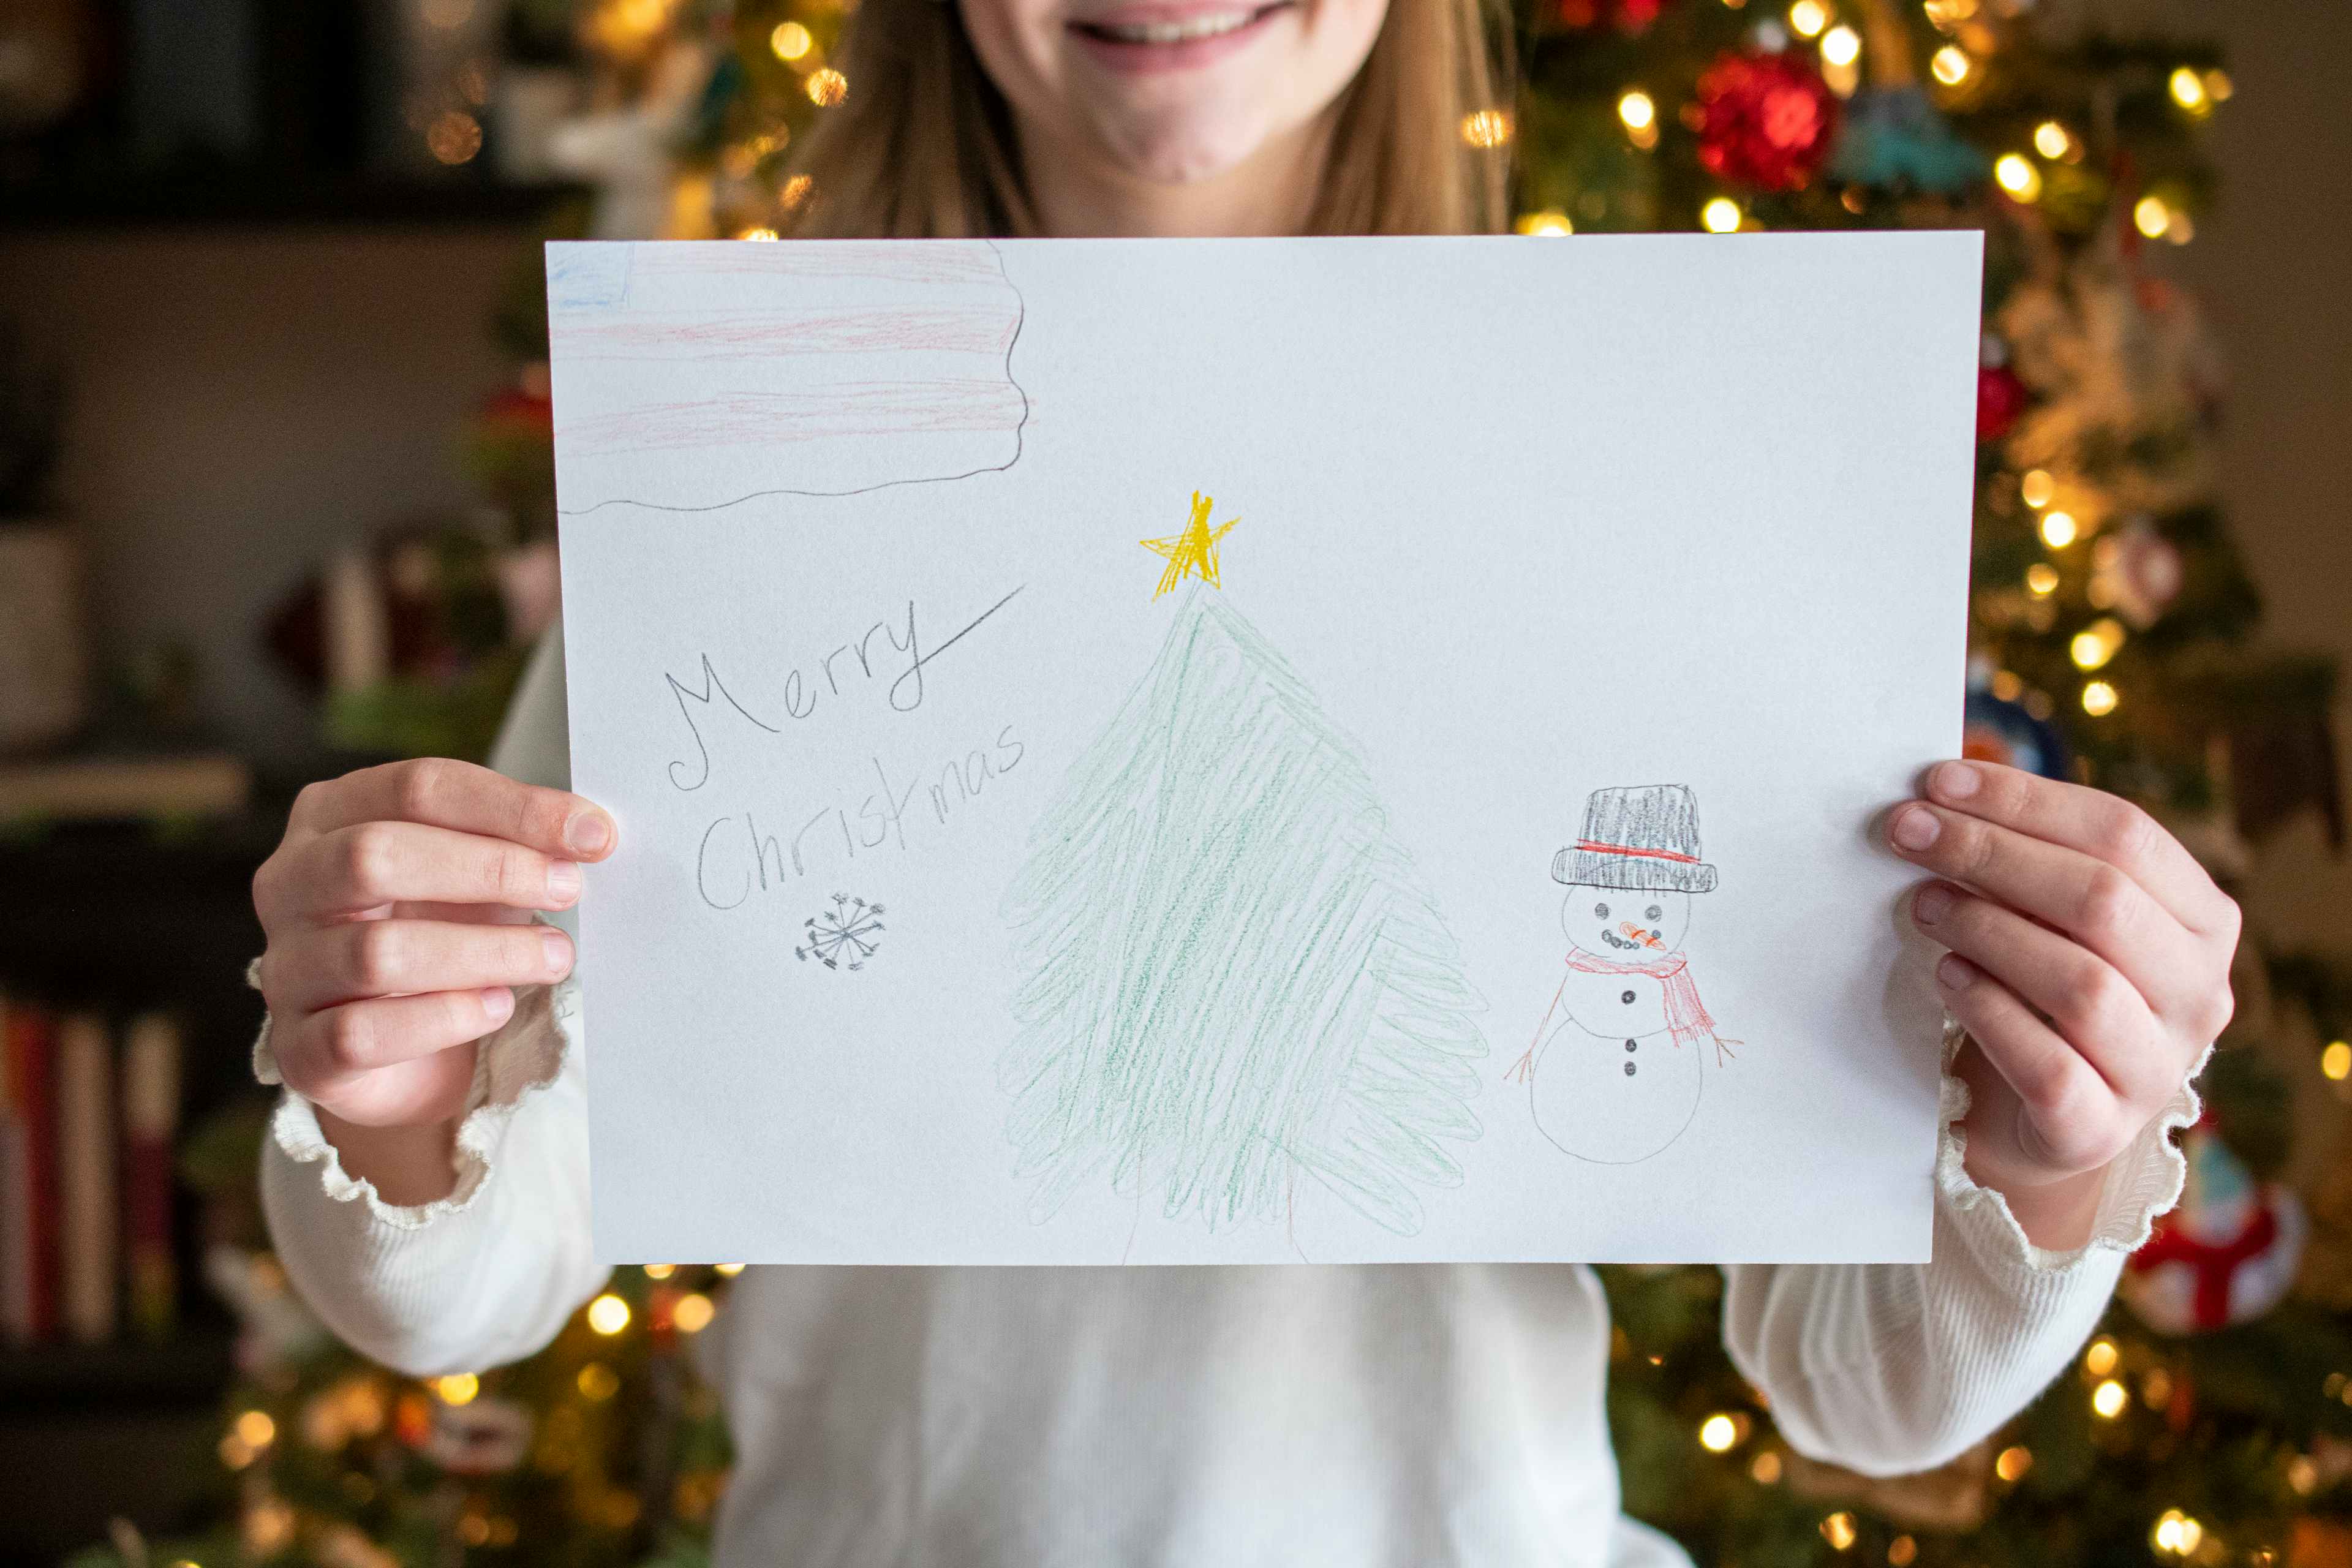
88, 1121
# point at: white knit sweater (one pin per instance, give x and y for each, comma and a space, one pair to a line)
1203, 1417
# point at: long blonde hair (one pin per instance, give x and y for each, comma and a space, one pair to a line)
923, 147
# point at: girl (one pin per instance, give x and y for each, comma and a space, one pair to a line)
427, 1180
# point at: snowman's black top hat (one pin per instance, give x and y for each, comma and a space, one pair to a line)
1644, 835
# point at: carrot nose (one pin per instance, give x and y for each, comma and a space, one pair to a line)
1647, 939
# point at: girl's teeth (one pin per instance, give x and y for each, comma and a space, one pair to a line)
1178, 32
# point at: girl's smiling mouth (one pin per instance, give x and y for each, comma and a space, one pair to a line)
1162, 37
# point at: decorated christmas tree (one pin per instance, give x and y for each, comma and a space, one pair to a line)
2115, 632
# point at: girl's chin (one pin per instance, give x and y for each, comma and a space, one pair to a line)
1184, 151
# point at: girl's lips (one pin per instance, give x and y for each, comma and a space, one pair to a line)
1159, 37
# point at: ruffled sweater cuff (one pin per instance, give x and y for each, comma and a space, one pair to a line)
2142, 1184
521, 1057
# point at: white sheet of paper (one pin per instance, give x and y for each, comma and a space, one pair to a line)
1577, 604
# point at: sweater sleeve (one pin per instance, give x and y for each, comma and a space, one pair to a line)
491, 1272
1892, 1368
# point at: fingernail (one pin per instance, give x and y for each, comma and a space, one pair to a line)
1954, 781
498, 1006
1956, 972
1916, 828
587, 833
1931, 904
562, 881
559, 953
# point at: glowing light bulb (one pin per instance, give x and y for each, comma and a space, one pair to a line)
730, 1269
761, 233
693, 1312
2101, 1356
1637, 110
1838, 1531
1766, 1468
458, 1387
2336, 1061
2042, 579
1808, 18
1485, 128
2037, 486
2188, 90
1720, 215
608, 1314
2217, 85
1951, 65
791, 41
1549, 222
2099, 699
2013, 1463
2096, 643
826, 86
1718, 1433
2109, 1398
2053, 140
1841, 46
2176, 1534
2151, 216
255, 1430
2016, 174
597, 1382
2059, 528
660, 1270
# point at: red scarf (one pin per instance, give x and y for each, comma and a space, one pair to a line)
1687, 1019
1686, 1015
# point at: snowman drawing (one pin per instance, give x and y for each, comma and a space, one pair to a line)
1615, 1070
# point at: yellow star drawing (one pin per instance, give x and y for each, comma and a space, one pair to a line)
1193, 553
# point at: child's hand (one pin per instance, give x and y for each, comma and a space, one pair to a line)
2090, 964
398, 915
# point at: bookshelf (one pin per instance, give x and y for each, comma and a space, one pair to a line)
121, 920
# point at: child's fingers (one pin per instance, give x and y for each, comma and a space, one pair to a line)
2079, 894
2070, 1113
2102, 825
354, 869
324, 966
2090, 1006
438, 792
325, 1050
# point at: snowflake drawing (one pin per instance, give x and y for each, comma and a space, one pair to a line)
843, 936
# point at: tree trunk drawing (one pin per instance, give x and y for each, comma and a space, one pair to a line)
1232, 976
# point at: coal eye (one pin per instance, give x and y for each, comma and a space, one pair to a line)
1654, 911
1601, 912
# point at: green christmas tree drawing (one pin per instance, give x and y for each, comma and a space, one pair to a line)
1232, 977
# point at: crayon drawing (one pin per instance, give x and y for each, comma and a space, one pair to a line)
1620, 1077
825, 369
1232, 977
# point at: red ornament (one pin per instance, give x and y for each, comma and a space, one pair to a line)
2000, 398
1626, 16
1764, 120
